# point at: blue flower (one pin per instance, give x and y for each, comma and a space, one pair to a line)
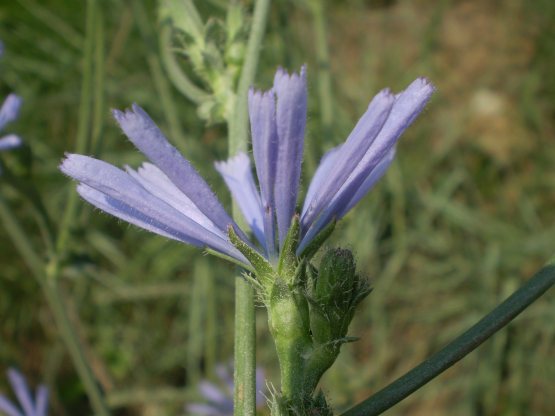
37, 406
8, 113
170, 198
219, 397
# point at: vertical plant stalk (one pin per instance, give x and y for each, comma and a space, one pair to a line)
318, 8
401, 388
244, 396
57, 306
325, 97
155, 67
49, 278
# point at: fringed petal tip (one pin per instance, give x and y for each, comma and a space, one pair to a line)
129, 115
422, 86
240, 161
284, 79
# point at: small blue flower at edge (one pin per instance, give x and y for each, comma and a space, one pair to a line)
37, 406
219, 398
170, 198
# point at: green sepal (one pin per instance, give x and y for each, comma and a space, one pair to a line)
230, 259
312, 248
262, 267
287, 263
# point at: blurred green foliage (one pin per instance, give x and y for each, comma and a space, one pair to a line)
462, 217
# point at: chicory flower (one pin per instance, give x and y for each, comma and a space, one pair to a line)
37, 406
170, 198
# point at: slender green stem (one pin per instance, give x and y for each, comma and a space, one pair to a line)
21, 240
56, 304
238, 122
175, 73
245, 333
50, 277
83, 126
65, 326
325, 99
244, 396
162, 86
318, 8
99, 72
460, 347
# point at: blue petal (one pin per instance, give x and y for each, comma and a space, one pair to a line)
351, 153
369, 182
11, 141
406, 108
8, 407
159, 185
21, 391
324, 169
340, 206
41, 401
9, 110
291, 121
237, 175
148, 138
130, 199
262, 114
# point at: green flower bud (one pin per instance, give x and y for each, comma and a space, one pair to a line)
336, 278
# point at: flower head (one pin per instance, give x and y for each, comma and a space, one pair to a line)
37, 406
219, 397
170, 198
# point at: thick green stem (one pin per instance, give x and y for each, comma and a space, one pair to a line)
245, 336
460, 347
288, 321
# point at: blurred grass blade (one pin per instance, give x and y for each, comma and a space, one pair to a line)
460, 347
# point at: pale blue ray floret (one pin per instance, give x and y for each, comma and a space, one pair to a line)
219, 397
170, 198
29, 405
8, 113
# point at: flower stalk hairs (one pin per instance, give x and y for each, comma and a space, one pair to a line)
309, 307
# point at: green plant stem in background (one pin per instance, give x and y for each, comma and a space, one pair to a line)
325, 103
177, 76
84, 122
50, 277
160, 81
317, 9
460, 347
244, 396
57, 306
238, 123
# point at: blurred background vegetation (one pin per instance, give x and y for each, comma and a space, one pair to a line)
465, 214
